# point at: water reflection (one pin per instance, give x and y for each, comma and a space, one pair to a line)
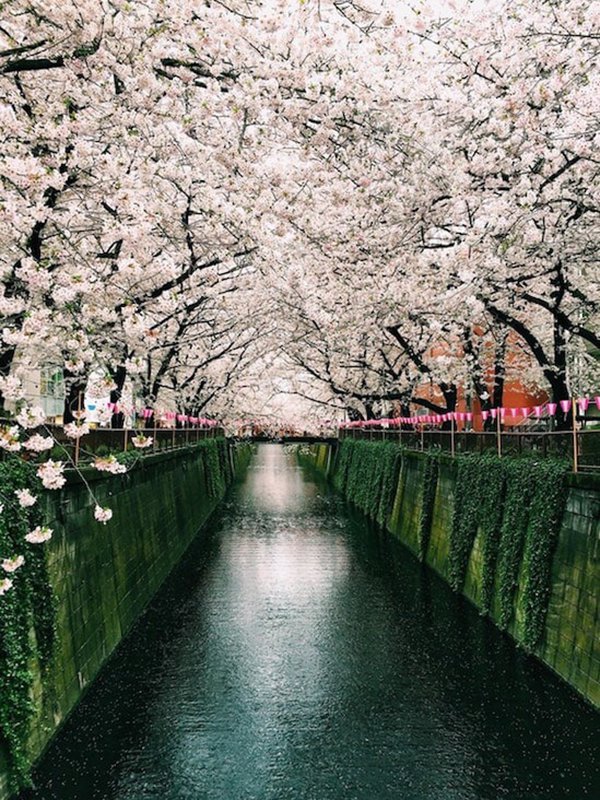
299, 656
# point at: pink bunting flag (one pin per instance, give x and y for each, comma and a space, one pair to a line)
552, 408
537, 410
513, 412
469, 416
494, 413
485, 415
565, 406
597, 401
525, 411
583, 404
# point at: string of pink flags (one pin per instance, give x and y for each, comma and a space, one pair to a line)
548, 410
163, 416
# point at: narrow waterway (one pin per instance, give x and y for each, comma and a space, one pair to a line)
299, 655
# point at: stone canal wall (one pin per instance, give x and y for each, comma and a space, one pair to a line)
103, 576
531, 559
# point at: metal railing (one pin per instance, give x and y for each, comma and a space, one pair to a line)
101, 442
559, 444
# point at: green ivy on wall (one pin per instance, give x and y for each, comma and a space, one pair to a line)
491, 499
465, 521
392, 461
430, 478
28, 605
216, 463
519, 488
515, 505
367, 473
545, 514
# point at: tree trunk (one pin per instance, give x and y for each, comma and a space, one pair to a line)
118, 375
6, 360
564, 421
74, 394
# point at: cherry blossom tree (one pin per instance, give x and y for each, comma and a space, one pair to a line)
209, 204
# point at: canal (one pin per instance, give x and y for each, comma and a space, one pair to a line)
298, 654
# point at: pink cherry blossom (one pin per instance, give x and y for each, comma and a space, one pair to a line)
51, 474
39, 535
102, 514
142, 442
12, 564
38, 443
25, 497
109, 464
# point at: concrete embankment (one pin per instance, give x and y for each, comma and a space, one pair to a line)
519, 538
103, 576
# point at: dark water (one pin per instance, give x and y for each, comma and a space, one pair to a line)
297, 655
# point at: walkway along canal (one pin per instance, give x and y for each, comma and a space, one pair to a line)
299, 654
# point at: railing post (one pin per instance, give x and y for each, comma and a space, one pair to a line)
452, 442
575, 453
125, 431
78, 421
499, 433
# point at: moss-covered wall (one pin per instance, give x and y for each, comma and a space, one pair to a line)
570, 640
104, 575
